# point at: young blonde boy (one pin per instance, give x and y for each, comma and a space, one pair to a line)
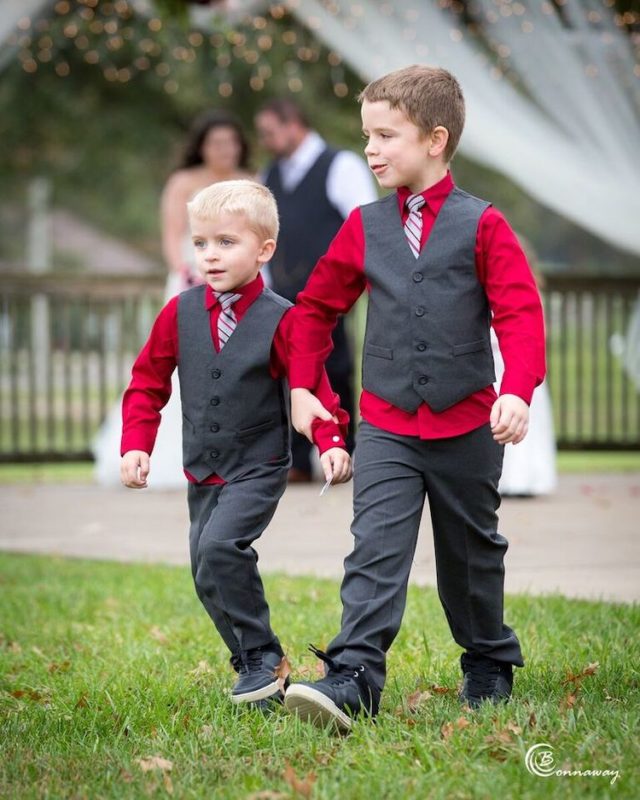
229, 339
440, 267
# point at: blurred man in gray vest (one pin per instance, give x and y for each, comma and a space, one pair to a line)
315, 187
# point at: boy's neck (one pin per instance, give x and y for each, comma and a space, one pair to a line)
432, 174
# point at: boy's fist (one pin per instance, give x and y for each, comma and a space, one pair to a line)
336, 465
134, 469
509, 419
305, 407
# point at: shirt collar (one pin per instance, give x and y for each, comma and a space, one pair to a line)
249, 292
307, 151
434, 196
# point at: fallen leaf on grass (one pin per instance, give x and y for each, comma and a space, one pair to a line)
267, 794
158, 635
533, 720
569, 701
590, 669
416, 699
55, 667
125, 776
30, 694
82, 701
206, 731
282, 672
441, 689
516, 730
448, 728
302, 786
168, 783
154, 762
14, 647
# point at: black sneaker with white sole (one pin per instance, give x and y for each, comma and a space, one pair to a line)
257, 677
485, 679
336, 699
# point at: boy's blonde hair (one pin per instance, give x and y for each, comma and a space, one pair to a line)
429, 96
246, 197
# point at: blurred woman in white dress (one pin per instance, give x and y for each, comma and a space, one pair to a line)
529, 468
216, 150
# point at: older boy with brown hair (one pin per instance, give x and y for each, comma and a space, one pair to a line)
229, 339
437, 263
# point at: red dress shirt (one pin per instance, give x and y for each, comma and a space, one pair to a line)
150, 386
339, 279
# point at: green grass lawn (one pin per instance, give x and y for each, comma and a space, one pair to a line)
113, 684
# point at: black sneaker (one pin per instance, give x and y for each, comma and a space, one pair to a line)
484, 679
257, 679
335, 699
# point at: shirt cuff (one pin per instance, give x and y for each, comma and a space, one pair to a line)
137, 441
327, 434
522, 386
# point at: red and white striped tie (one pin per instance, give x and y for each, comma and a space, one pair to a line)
227, 320
413, 224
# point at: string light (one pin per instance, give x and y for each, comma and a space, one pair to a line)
106, 31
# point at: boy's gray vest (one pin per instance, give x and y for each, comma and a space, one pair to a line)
427, 334
234, 414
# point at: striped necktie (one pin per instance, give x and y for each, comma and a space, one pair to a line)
227, 320
413, 224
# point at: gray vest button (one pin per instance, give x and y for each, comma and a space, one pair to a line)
214, 428
420, 311
417, 277
421, 346
214, 453
215, 401
423, 379
215, 373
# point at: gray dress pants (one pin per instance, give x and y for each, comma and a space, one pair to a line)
393, 475
225, 521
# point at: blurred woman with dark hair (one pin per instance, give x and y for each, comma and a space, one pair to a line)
216, 150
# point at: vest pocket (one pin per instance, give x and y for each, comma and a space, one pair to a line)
255, 430
186, 423
379, 352
470, 347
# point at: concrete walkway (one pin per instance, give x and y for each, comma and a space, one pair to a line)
584, 541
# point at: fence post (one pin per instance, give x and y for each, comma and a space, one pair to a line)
39, 261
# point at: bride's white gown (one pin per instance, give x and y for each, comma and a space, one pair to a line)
166, 460
529, 468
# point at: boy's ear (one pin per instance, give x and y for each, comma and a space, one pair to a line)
267, 250
439, 138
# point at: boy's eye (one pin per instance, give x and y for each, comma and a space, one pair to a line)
199, 243
226, 242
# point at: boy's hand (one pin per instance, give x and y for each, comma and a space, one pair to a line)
134, 469
336, 465
509, 419
305, 407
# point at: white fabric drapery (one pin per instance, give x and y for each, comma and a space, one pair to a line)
568, 131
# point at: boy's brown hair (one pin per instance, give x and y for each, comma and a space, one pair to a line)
429, 96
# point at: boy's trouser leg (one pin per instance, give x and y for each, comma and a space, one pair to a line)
462, 475
388, 498
225, 521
